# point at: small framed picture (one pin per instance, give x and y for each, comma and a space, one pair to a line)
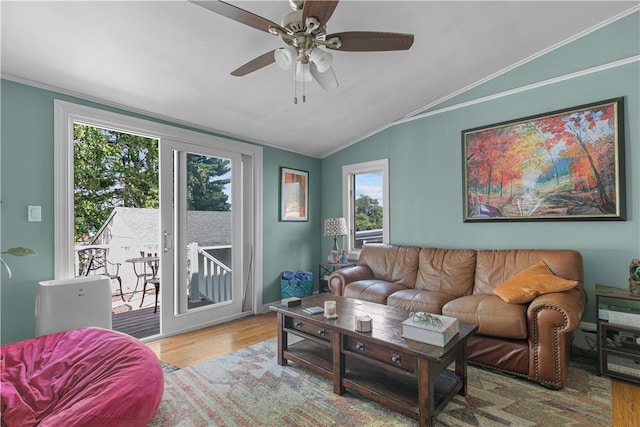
294, 195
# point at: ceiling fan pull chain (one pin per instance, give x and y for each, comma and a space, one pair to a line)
295, 87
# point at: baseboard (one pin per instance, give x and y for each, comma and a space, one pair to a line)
265, 307
588, 326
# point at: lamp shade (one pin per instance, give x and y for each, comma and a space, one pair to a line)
303, 73
285, 57
335, 226
322, 59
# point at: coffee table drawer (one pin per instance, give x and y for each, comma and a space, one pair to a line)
309, 328
380, 353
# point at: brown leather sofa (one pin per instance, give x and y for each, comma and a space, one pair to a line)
530, 340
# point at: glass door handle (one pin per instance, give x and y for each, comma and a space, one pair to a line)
167, 242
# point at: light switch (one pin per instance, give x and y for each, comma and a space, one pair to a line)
34, 213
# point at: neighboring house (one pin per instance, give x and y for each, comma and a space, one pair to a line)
130, 228
131, 232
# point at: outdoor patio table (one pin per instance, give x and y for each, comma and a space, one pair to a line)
146, 270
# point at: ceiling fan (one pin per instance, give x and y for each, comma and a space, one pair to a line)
304, 33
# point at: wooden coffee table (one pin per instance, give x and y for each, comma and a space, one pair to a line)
408, 376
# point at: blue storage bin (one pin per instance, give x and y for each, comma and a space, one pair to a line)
298, 285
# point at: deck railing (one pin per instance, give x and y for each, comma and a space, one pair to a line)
209, 278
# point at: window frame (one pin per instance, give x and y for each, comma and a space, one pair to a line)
348, 202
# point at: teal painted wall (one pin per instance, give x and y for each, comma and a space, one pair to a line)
425, 160
27, 179
291, 246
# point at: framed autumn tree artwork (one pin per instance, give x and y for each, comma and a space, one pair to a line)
563, 165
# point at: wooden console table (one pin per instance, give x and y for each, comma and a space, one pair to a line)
324, 271
407, 376
618, 347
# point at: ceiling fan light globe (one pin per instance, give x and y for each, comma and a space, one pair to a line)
285, 57
303, 73
322, 59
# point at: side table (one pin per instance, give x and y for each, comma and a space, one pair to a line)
618, 344
324, 271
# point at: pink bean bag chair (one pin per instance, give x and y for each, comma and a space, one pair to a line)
83, 377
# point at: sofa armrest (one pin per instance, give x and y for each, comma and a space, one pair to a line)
340, 278
569, 303
551, 319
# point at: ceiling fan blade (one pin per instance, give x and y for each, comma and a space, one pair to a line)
371, 41
238, 14
255, 64
320, 9
326, 80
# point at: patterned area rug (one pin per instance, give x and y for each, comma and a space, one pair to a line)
168, 367
249, 388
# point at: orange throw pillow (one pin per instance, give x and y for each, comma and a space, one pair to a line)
531, 282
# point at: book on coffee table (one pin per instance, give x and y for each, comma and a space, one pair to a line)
432, 329
313, 310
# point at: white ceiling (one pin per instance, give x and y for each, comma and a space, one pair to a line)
172, 59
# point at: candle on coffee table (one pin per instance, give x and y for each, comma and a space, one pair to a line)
330, 309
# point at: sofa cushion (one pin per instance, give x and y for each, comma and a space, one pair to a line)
450, 271
493, 316
371, 290
531, 282
494, 267
419, 300
390, 263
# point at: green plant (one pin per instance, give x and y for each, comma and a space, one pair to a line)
18, 251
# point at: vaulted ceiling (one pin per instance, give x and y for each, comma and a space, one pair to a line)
173, 59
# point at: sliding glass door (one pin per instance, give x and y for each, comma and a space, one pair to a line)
207, 231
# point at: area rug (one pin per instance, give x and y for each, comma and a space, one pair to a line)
168, 367
249, 388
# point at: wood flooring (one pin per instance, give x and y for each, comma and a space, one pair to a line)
195, 347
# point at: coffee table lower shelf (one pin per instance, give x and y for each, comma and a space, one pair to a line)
398, 392
313, 356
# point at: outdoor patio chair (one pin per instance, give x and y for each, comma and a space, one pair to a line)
156, 283
94, 261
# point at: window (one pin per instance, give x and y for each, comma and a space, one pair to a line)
366, 204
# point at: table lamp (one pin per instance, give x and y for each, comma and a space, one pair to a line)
335, 227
